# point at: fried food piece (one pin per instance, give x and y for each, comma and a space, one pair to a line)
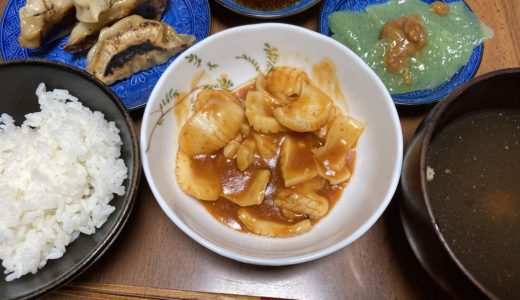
89, 10
85, 34
44, 21
131, 45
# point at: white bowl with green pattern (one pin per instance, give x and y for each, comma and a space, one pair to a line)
233, 57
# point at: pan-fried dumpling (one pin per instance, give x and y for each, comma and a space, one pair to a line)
85, 34
44, 20
131, 45
89, 10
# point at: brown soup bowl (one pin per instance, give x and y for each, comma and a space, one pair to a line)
462, 229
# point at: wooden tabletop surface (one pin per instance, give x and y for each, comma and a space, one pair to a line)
153, 252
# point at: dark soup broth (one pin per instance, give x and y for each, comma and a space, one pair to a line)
474, 193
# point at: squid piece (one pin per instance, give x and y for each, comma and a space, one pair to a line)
246, 154
342, 136
85, 34
44, 21
304, 199
259, 113
270, 228
231, 149
133, 44
254, 192
201, 185
207, 95
261, 86
286, 82
211, 128
266, 145
296, 161
308, 113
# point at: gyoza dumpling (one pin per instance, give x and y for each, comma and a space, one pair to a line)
85, 34
44, 20
131, 45
89, 10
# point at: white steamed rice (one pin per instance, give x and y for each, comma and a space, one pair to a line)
58, 172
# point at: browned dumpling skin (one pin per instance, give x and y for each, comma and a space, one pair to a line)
133, 44
44, 20
85, 34
89, 10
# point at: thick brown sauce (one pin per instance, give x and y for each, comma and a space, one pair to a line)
234, 181
440, 8
266, 4
405, 38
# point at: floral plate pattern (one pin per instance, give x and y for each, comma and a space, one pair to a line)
186, 16
414, 98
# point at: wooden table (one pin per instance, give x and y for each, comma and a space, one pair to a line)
153, 252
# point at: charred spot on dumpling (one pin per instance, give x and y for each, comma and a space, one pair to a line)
120, 59
150, 9
131, 45
44, 21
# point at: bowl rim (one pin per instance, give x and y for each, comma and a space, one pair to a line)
131, 193
429, 130
366, 225
266, 14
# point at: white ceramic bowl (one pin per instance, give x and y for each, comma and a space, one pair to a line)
379, 157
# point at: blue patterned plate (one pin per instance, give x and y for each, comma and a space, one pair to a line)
186, 16
298, 7
418, 97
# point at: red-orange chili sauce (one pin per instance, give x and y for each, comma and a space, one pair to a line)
232, 179
266, 4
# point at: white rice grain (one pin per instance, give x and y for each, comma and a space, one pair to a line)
58, 172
